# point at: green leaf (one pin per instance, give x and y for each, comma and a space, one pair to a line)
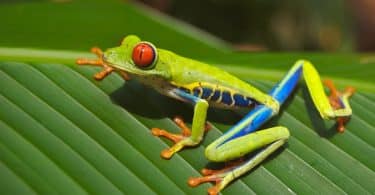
61, 132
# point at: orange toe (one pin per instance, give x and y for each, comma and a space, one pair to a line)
336, 102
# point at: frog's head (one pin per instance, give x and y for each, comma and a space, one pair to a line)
136, 57
133, 56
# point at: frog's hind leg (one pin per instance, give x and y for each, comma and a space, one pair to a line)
272, 139
223, 178
241, 138
334, 107
339, 100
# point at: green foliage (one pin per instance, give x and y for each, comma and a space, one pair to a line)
78, 25
61, 132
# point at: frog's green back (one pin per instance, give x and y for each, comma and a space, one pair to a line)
187, 71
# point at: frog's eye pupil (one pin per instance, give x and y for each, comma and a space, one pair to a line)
144, 55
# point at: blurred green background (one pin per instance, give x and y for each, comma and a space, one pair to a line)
312, 25
335, 25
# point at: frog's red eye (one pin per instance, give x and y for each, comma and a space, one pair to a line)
144, 55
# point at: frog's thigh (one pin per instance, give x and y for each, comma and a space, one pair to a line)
238, 147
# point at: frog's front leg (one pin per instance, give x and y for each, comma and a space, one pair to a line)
187, 138
100, 62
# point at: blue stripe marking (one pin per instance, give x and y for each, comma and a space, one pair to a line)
206, 92
226, 98
240, 100
216, 95
282, 92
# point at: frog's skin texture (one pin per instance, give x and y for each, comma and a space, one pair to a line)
203, 85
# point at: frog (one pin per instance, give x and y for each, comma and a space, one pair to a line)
203, 85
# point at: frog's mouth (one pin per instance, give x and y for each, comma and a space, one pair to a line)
107, 68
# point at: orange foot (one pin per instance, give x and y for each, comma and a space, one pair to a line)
217, 179
336, 102
228, 167
100, 62
176, 138
216, 176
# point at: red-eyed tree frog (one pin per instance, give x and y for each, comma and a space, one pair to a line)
203, 85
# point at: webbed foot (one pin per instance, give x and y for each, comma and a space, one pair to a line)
100, 62
217, 179
336, 99
220, 177
180, 140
